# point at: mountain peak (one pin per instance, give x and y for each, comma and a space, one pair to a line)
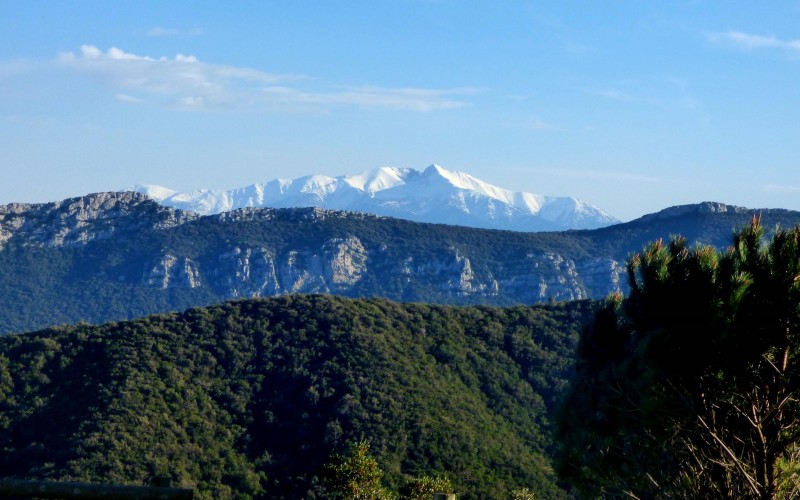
372, 181
434, 195
434, 169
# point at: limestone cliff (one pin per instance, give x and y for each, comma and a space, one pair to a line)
116, 255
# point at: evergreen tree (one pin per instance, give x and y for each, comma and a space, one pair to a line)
355, 475
688, 387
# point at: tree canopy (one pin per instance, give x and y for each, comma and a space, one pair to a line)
249, 399
688, 387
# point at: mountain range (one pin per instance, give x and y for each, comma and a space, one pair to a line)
113, 256
433, 195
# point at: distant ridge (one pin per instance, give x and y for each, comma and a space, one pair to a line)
706, 207
433, 195
112, 256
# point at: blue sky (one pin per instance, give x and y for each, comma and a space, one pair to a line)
631, 105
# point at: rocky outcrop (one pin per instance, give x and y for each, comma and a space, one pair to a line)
302, 272
262, 272
344, 262
341, 263
173, 272
247, 272
542, 277
451, 270
601, 276
77, 221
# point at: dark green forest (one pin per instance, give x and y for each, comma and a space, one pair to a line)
250, 399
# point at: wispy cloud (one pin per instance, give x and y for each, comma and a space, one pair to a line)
168, 81
126, 98
414, 99
749, 41
158, 31
184, 82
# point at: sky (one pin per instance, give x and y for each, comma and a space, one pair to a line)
633, 106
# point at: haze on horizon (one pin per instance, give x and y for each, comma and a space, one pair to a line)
630, 106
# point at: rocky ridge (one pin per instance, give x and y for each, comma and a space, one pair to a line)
77, 221
134, 256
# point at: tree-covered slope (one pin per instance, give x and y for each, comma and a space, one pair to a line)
115, 256
251, 397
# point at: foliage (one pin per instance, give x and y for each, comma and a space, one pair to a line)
248, 399
688, 388
355, 475
423, 488
522, 494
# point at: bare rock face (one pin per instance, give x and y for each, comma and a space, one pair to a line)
247, 272
602, 276
451, 271
338, 265
462, 280
302, 273
545, 276
344, 261
77, 221
261, 272
173, 272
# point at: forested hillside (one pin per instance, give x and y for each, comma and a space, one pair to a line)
115, 256
251, 398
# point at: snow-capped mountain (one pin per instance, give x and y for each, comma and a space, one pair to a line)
434, 195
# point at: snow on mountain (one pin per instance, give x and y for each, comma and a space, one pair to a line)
157, 193
433, 195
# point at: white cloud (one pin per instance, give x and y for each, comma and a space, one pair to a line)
126, 98
185, 82
749, 41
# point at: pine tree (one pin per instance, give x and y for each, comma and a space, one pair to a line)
688, 387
